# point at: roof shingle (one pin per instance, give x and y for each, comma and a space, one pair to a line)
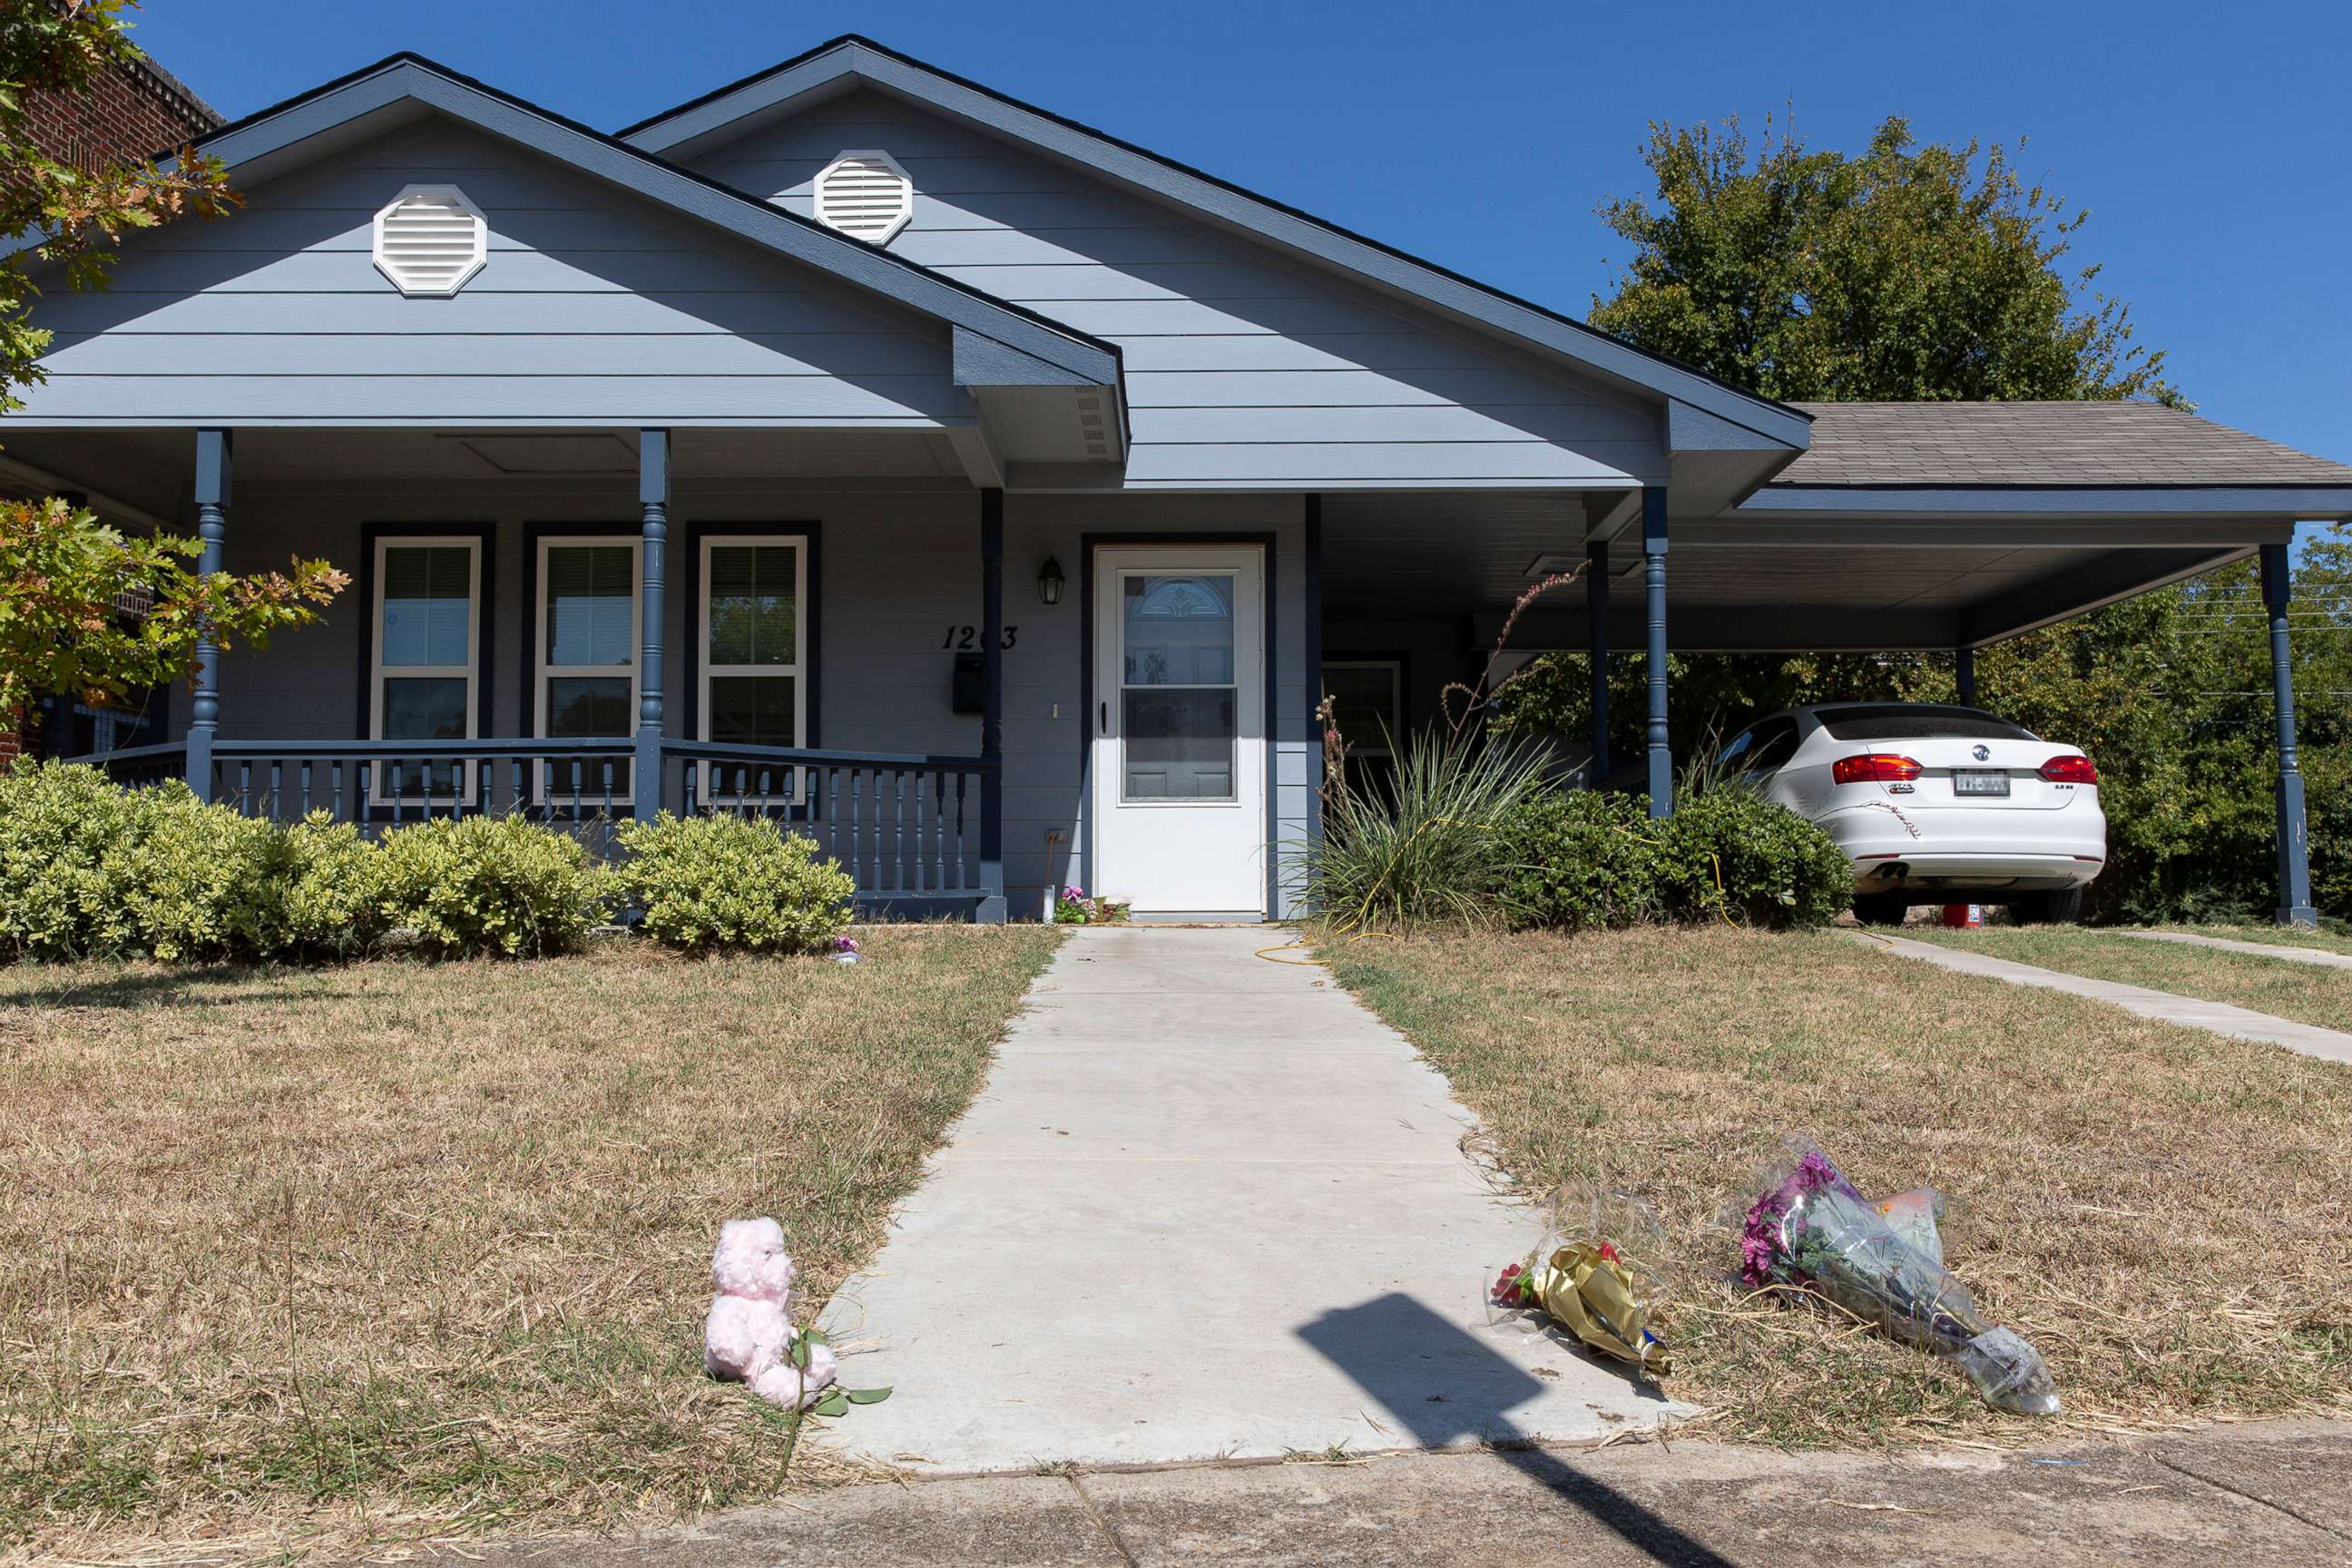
2057, 443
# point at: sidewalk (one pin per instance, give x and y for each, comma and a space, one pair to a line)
1206, 1206
2275, 1493
2220, 1017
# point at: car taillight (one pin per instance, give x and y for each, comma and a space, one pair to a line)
2070, 769
1875, 767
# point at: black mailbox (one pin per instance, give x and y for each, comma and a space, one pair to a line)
967, 699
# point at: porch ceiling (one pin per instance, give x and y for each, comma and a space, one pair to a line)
152, 470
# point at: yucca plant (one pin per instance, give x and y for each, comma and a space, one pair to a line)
1425, 846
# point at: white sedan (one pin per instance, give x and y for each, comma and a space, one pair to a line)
1934, 804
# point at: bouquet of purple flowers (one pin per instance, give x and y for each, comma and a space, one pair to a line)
1883, 1263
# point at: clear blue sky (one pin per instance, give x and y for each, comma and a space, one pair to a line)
2209, 141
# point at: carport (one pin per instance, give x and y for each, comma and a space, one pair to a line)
1912, 526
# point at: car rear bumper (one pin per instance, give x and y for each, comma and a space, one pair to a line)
1972, 873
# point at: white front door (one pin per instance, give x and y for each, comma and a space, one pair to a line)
1180, 729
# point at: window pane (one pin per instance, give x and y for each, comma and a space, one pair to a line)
427, 611
1363, 704
751, 710
754, 613
1180, 745
590, 591
1178, 631
588, 707
421, 709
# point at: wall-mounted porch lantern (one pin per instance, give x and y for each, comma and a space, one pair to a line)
1049, 582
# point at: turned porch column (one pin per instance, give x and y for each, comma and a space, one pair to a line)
1653, 576
652, 502
212, 530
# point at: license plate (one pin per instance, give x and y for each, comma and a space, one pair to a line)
1980, 781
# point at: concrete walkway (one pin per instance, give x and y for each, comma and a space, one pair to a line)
2257, 949
2220, 1017
1205, 1207
2278, 1493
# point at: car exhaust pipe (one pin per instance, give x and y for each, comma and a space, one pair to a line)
1894, 871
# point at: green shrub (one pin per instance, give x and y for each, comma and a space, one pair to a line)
1583, 860
90, 870
722, 881
322, 892
1729, 852
502, 885
1426, 845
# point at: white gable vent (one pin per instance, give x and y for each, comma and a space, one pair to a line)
430, 240
865, 196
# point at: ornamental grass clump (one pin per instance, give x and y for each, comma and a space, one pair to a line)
1428, 845
706, 883
497, 886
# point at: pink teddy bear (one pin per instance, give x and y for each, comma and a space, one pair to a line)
749, 1337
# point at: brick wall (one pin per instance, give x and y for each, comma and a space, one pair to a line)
129, 113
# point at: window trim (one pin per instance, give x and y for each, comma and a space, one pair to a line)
1394, 665
375, 540
611, 536
705, 670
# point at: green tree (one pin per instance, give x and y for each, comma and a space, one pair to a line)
1920, 273
64, 576
1911, 273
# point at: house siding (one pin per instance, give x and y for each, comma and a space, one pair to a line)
594, 308
894, 573
1242, 369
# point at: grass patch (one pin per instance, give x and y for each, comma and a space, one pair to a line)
2306, 993
397, 1248
2158, 1209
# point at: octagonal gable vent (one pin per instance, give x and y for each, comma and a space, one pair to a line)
430, 240
865, 195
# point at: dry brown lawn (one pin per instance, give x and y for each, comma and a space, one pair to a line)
2160, 1210
393, 1249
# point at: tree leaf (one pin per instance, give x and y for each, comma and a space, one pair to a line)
865, 1395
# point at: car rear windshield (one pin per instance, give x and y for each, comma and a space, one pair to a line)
1916, 721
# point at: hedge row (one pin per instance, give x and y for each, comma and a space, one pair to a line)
88, 869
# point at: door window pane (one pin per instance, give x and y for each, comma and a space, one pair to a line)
751, 710
428, 604
1178, 745
754, 610
1178, 630
591, 589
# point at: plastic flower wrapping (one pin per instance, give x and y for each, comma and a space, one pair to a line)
1883, 1262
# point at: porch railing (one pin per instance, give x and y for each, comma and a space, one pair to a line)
905, 827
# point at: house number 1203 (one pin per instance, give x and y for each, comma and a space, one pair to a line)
966, 638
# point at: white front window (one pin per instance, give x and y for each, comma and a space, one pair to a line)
585, 642
425, 653
754, 644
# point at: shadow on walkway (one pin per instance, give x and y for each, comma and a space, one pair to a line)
1449, 1390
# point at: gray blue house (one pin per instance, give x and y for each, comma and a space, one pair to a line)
994, 498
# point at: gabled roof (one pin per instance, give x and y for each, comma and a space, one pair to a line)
329, 116
850, 59
2081, 444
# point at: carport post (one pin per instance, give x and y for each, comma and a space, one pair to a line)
1653, 576
1596, 613
1964, 673
2294, 844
